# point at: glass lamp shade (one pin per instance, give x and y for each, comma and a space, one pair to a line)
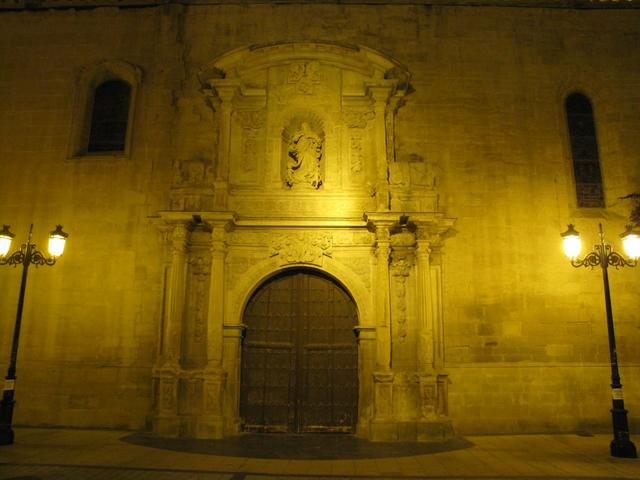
571, 242
5, 240
631, 242
57, 240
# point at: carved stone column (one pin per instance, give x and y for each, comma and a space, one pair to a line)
216, 298
366, 358
433, 422
383, 311
402, 262
382, 427
211, 422
424, 332
233, 335
221, 95
380, 96
167, 372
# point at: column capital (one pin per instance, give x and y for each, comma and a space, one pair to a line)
382, 223
365, 332
381, 91
383, 376
430, 225
222, 91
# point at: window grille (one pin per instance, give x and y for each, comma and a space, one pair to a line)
584, 151
109, 117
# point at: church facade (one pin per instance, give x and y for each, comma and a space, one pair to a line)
320, 217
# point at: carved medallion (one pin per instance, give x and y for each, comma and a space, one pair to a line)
304, 76
302, 248
357, 119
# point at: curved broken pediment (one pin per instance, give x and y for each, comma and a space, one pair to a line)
243, 63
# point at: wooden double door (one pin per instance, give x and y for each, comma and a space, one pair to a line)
299, 357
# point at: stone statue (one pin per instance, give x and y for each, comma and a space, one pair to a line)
305, 153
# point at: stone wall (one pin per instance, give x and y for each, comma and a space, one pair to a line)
483, 125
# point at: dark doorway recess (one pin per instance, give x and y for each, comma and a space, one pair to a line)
299, 357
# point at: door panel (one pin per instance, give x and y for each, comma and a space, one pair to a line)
299, 364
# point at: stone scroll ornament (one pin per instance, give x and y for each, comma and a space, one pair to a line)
304, 157
302, 248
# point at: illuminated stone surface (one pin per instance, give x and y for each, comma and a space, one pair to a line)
450, 116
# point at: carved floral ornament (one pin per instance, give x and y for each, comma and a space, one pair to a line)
401, 263
252, 119
302, 247
357, 119
304, 75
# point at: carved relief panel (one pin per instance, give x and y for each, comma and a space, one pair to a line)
194, 340
248, 143
306, 119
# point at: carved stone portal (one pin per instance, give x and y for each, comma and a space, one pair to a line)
305, 146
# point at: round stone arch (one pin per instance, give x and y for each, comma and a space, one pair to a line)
342, 275
350, 282
86, 81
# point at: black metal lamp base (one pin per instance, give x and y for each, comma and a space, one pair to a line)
6, 415
6, 435
623, 448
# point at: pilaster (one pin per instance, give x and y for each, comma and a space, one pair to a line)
211, 423
380, 95
222, 93
367, 353
166, 374
425, 340
233, 336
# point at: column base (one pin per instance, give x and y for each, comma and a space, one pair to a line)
6, 435
434, 430
209, 427
166, 426
426, 431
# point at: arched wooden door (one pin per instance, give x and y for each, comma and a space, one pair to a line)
299, 357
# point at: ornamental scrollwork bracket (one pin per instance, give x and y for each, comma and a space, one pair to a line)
20, 257
603, 256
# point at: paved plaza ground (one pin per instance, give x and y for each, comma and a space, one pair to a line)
40, 454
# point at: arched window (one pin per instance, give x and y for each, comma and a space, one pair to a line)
103, 112
109, 117
584, 151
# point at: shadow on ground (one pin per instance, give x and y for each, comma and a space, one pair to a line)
296, 447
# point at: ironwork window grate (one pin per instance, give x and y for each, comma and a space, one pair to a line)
584, 151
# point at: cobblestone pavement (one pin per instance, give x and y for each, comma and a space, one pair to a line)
44, 454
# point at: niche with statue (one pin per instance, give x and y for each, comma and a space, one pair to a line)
302, 151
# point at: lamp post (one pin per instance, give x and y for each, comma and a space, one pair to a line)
27, 255
605, 256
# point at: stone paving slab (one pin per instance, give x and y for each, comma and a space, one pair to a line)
40, 454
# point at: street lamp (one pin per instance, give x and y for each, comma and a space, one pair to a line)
27, 255
605, 256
